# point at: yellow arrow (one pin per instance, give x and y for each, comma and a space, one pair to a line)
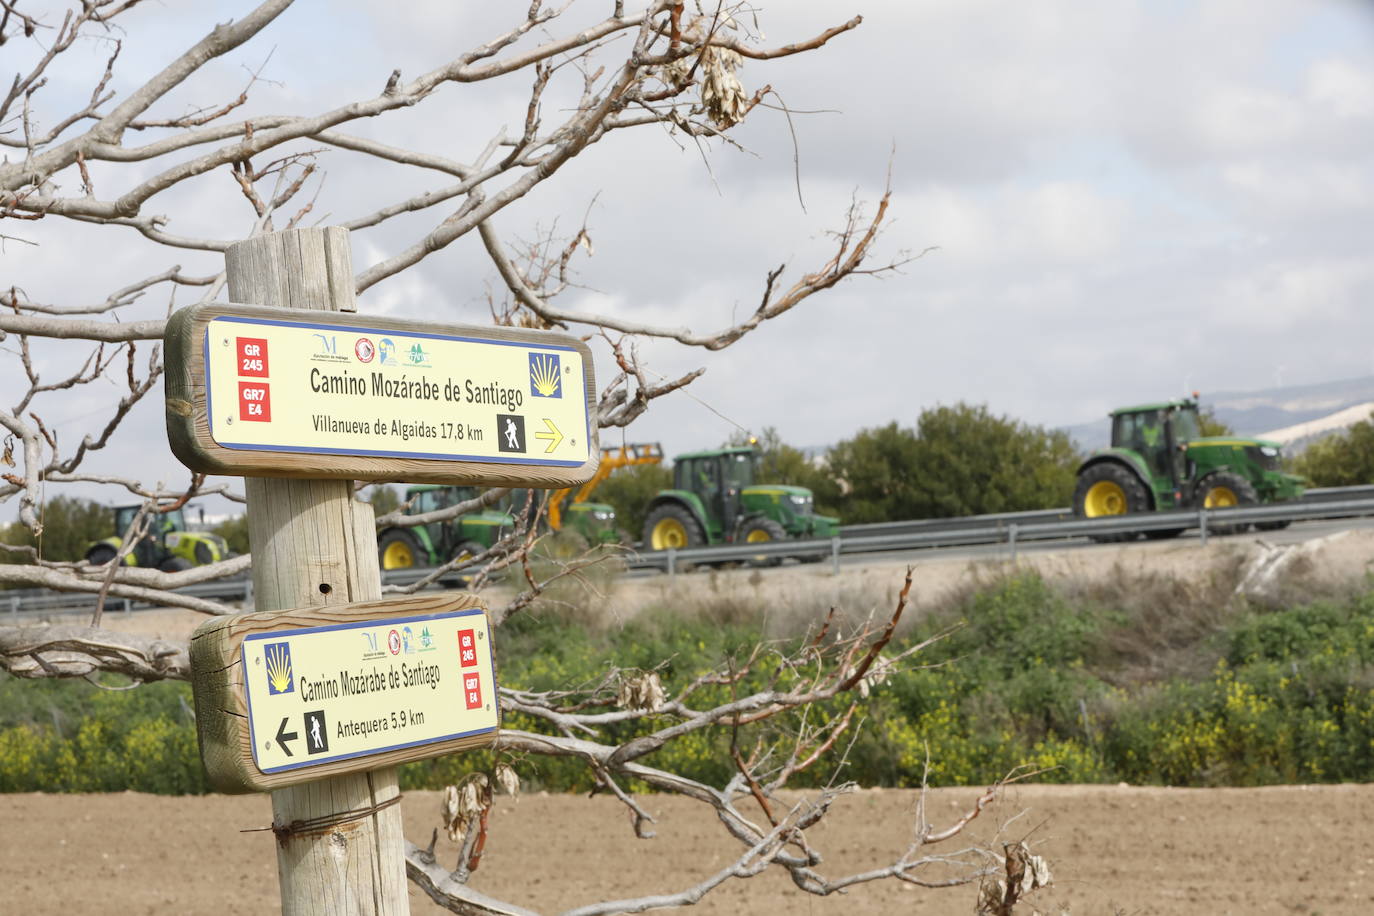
553, 435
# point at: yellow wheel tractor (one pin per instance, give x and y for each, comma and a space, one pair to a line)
1159, 460
167, 546
715, 501
405, 547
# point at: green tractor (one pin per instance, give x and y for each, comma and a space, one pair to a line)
714, 500
439, 542
1159, 460
167, 546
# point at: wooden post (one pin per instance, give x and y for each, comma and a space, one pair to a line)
314, 544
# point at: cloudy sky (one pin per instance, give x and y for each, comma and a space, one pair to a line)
1127, 200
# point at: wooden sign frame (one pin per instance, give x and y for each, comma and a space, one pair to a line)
222, 698
189, 427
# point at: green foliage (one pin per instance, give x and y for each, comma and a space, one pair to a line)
1028, 677
629, 490
1340, 460
1209, 425
959, 460
12, 533
235, 533
70, 525
384, 498
71, 736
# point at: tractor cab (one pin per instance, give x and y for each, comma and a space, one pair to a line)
1159, 434
152, 549
718, 479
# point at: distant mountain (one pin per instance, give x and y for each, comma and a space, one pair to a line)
1295, 415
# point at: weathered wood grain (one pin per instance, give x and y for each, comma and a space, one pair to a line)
314, 545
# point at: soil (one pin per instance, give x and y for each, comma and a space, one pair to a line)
1112, 850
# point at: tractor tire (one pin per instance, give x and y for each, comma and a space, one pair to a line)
466, 550
397, 548
175, 564
672, 525
758, 531
101, 554
1273, 526
1109, 489
1224, 489
205, 554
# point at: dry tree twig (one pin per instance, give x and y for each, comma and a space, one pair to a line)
134, 164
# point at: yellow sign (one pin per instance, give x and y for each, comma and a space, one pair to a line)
330, 389
324, 694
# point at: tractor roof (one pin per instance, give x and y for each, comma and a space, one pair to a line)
712, 453
1160, 405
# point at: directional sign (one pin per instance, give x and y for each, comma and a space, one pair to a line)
292, 696
277, 392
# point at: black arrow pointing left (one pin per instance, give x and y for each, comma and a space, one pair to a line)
284, 736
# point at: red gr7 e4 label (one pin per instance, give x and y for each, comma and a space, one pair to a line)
255, 402
472, 690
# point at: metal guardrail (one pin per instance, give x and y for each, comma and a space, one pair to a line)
1001, 529
1037, 516
1011, 528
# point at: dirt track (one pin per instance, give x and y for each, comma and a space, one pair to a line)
1304, 849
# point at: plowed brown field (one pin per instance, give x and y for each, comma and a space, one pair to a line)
1127, 850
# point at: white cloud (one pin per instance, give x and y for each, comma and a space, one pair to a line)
1128, 197
1343, 86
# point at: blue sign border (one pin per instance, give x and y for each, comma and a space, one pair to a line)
524, 460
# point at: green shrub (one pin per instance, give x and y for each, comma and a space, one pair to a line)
1029, 679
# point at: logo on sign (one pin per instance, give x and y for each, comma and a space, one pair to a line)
467, 649
426, 640
546, 379
472, 690
510, 432
327, 349
393, 642
365, 349
386, 352
408, 640
279, 679
252, 352
417, 355
255, 402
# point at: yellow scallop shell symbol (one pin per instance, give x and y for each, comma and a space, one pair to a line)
279, 667
544, 375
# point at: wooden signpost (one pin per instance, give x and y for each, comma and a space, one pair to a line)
318, 695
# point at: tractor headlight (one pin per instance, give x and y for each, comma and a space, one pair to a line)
1269, 451
603, 515
802, 504
173, 539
